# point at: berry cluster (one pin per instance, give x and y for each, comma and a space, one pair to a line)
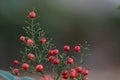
39, 51
75, 73
67, 70
55, 53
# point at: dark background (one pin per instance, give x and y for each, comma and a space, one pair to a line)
67, 22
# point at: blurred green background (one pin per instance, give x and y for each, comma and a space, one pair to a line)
67, 22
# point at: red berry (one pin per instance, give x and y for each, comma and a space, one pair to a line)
77, 48
70, 61
50, 52
15, 62
55, 51
31, 56
22, 38
43, 40
66, 48
39, 68
56, 61
16, 71
25, 66
30, 42
85, 72
86, 79
79, 69
65, 72
51, 58
32, 14
73, 73
65, 76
